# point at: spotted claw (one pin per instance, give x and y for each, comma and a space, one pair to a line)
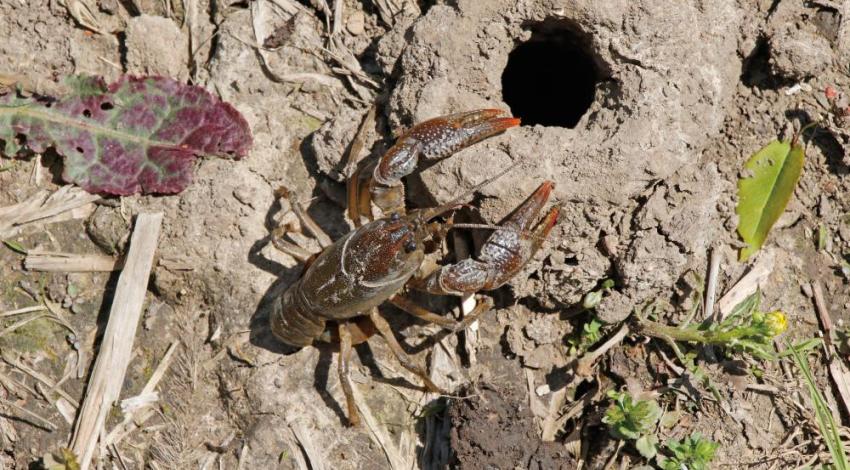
504, 253
437, 139
431, 141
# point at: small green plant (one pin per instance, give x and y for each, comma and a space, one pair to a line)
693, 453
591, 331
746, 329
590, 334
64, 459
629, 419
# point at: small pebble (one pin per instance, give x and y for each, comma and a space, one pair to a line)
356, 23
542, 390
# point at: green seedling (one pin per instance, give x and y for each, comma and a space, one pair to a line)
591, 299
694, 453
629, 419
590, 334
591, 331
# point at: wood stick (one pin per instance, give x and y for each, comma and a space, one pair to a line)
70, 262
116, 349
467, 302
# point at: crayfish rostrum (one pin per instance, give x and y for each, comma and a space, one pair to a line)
337, 297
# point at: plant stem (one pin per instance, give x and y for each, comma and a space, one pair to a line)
693, 335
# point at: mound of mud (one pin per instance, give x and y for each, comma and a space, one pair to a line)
494, 429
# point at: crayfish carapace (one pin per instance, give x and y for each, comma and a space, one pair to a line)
337, 297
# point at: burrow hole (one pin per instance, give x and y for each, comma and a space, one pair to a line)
551, 78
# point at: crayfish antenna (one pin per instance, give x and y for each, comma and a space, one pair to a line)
458, 200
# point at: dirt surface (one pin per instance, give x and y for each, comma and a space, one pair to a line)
665, 101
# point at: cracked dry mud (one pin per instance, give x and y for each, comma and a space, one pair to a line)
681, 93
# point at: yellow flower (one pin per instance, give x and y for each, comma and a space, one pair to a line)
776, 323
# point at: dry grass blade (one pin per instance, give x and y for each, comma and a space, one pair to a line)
68, 202
296, 454
837, 370
110, 367
352, 158
21, 311
83, 14
826, 423
339, 6
747, 285
348, 61
379, 434
550, 423
69, 262
290, 7
259, 11
711, 289
586, 362
316, 460
29, 416
41, 378
7, 432
20, 323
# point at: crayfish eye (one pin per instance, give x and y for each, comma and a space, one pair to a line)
410, 246
395, 217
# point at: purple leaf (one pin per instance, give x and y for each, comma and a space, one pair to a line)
135, 135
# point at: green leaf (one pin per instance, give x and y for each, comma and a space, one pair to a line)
628, 418
694, 453
763, 196
15, 246
139, 134
747, 306
646, 445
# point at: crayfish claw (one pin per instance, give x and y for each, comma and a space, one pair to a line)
503, 255
432, 140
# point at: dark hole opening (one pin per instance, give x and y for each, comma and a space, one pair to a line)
106, 106
87, 113
551, 78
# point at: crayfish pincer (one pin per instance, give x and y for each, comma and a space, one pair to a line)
337, 297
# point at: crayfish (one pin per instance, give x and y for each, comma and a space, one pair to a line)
337, 297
